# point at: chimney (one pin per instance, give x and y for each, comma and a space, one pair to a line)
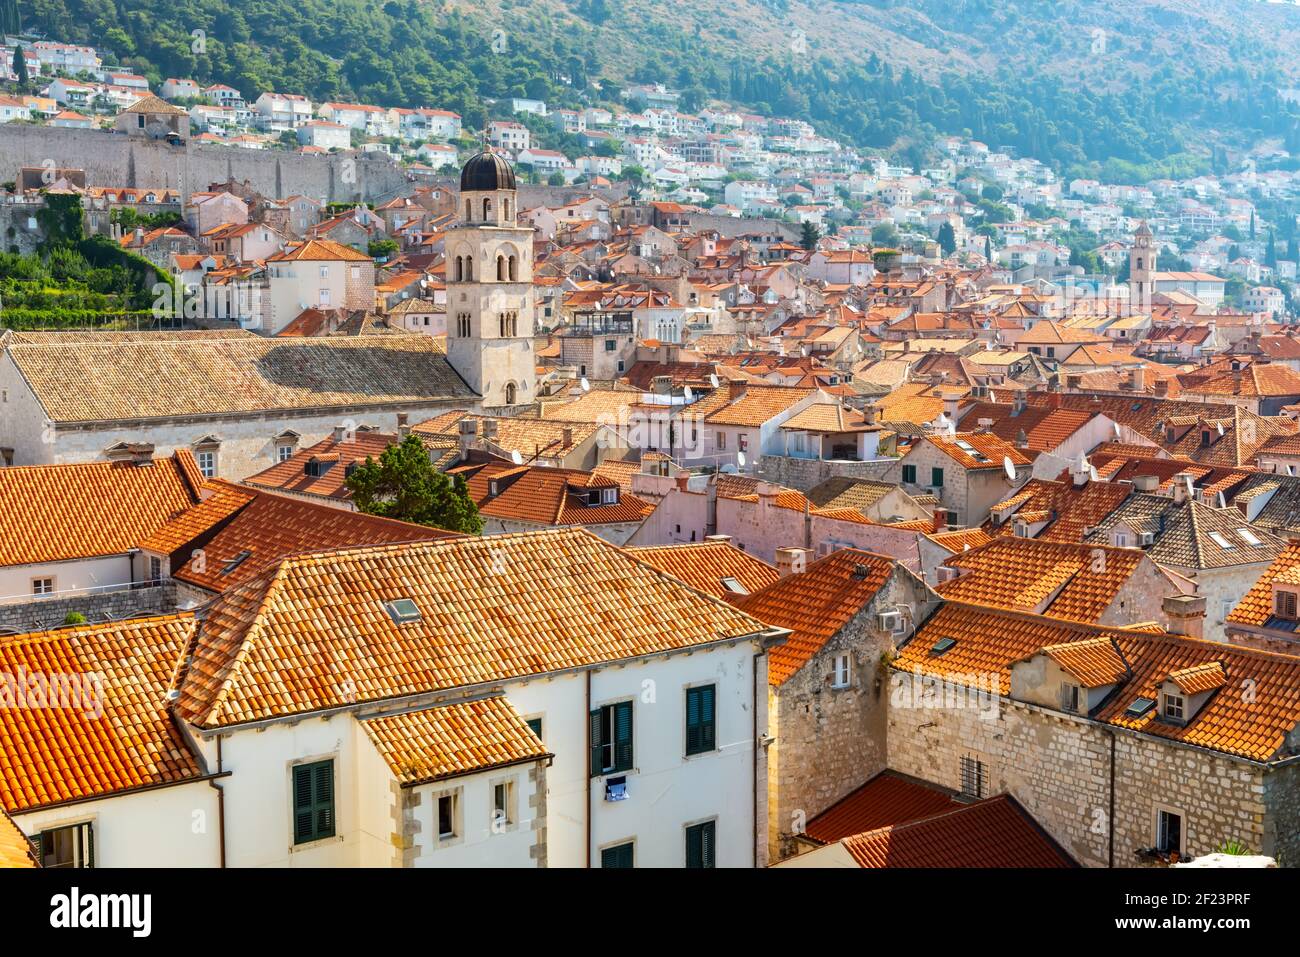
1081, 473
1140, 379
1186, 614
1162, 388
468, 429
718, 539
1146, 483
566, 436
1022, 440
340, 432
791, 560
489, 430
1020, 403
767, 493
950, 407
869, 413
939, 519
142, 453
1181, 481
684, 482
403, 425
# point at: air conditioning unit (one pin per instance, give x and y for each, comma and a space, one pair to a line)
891, 621
947, 574
1147, 538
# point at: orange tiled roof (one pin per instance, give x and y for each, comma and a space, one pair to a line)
991, 450
312, 632
545, 496
115, 736
887, 799
1022, 573
448, 740
815, 604
268, 527
1199, 678
1256, 606
335, 455
758, 404
15, 849
996, 832
1096, 662
705, 565
1257, 727
65, 512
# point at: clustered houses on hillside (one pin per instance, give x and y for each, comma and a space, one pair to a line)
783, 560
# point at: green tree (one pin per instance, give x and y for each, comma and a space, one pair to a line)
947, 239
403, 484
382, 248
555, 179
809, 234
1270, 257
20, 68
885, 234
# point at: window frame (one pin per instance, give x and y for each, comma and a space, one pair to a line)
841, 677
909, 474
604, 719
1161, 815
39, 589
83, 848
707, 832
316, 804
706, 727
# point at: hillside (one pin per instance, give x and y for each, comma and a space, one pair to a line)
1078, 83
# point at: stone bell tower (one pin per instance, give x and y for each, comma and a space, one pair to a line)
490, 318
1141, 270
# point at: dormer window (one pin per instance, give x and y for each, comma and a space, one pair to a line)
1284, 604
1072, 699
1173, 707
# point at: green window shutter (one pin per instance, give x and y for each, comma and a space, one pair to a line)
701, 723
620, 856
90, 845
936, 478
623, 736
700, 845
597, 745
313, 801
909, 474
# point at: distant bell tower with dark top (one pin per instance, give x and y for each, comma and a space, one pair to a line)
1141, 270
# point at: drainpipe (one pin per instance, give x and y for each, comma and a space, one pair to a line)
588, 815
1110, 817
221, 807
757, 745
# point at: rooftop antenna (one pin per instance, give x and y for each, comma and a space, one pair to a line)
1009, 467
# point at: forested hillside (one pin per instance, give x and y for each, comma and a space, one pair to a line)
1077, 83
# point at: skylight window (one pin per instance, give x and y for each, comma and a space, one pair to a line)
1221, 541
235, 562
1139, 707
1249, 537
733, 586
942, 645
403, 611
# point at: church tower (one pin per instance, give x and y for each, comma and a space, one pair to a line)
490, 287
1141, 270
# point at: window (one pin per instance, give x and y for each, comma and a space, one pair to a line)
283, 453
512, 394
909, 474
42, 586
155, 568
611, 738
71, 846
701, 845
620, 855
447, 816
403, 611
313, 801
936, 478
535, 724
840, 672
1175, 707
974, 777
701, 720
324, 297
207, 462
1169, 832
1071, 697
324, 272
610, 345
1284, 605
503, 800
721, 441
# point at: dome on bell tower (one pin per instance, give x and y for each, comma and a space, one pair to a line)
486, 172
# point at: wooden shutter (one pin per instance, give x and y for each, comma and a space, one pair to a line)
620, 856
597, 744
623, 736
302, 816
701, 734
323, 799
89, 859
313, 801
700, 850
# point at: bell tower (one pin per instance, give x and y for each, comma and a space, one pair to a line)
1141, 270
490, 311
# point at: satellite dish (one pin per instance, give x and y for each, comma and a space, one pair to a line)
713, 380
1092, 473
1219, 426
1009, 467
728, 469
1116, 427
740, 459
586, 386
687, 394
516, 457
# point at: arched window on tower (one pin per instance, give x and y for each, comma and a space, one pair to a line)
514, 268
469, 210
487, 209
469, 268
510, 393
501, 268
1139, 265
505, 209
457, 268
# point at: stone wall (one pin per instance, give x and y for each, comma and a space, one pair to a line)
112, 159
1058, 766
804, 474
100, 606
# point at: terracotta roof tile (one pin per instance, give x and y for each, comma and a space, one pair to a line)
15, 849
116, 735
313, 631
706, 566
887, 799
449, 740
758, 404
1096, 662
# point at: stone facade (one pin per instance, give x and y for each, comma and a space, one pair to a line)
1058, 766
804, 474
829, 740
162, 599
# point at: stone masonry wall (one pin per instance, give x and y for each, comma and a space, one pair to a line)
1058, 766
103, 606
803, 474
